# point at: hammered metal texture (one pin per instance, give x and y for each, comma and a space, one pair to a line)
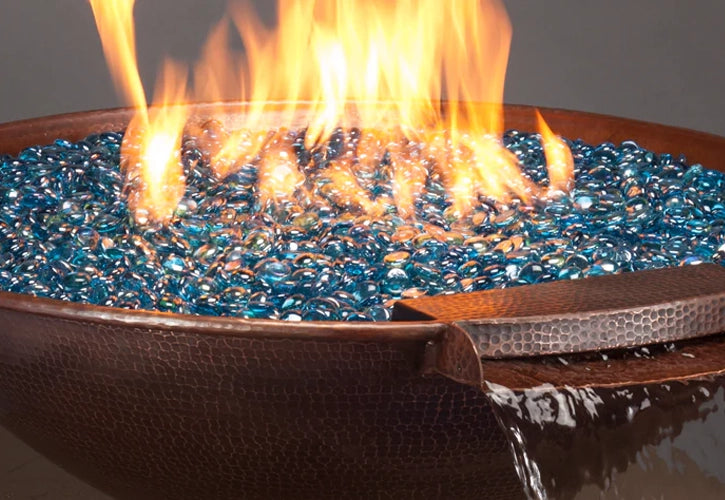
159, 414
456, 357
692, 359
606, 312
211, 408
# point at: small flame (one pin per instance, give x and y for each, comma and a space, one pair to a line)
437, 66
409, 177
279, 177
559, 161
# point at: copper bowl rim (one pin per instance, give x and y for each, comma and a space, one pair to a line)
14, 136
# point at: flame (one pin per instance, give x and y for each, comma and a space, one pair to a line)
437, 66
409, 177
559, 161
152, 142
114, 21
279, 176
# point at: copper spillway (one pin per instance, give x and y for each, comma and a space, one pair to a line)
594, 314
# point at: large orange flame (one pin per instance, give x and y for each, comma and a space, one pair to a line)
152, 142
438, 67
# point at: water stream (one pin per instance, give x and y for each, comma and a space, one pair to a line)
657, 441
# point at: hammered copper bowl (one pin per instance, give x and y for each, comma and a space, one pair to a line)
156, 405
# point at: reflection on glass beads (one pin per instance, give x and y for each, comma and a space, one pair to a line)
66, 233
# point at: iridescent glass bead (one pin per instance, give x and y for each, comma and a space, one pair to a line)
470, 269
692, 260
396, 259
395, 281
320, 309
260, 306
326, 281
505, 220
359, 316
531, 272
271, 271
291, 315
170, 303
378, 313
77, 281
570, 273
553, 260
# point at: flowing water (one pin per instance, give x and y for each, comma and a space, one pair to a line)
656, 441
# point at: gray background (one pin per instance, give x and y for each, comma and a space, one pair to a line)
657, 60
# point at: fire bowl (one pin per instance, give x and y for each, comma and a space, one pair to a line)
159, 405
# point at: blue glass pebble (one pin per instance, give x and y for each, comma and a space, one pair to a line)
66, 232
